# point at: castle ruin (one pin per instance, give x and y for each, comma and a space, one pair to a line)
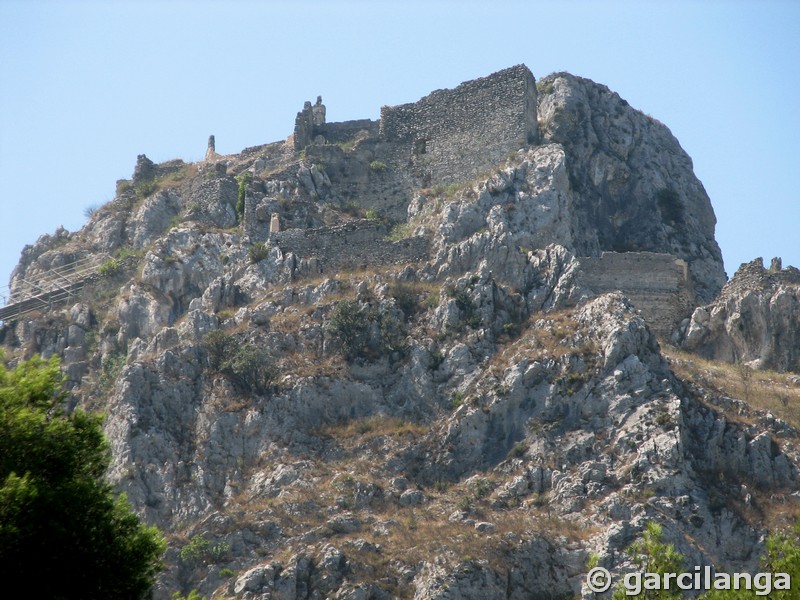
657, 284
454, 135
447, 136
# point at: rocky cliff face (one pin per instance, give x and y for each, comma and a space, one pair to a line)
634, 184
471, 424
754, 321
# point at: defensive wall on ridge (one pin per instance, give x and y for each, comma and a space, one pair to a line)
448, 136
352, 245
658, 284
453, 134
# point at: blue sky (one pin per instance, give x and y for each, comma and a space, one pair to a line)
86, 86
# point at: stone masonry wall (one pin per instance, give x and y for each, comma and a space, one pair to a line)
452, 135
353, 245
657, 284
345, 131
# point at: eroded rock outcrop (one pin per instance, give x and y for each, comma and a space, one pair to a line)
755, 321
633, 184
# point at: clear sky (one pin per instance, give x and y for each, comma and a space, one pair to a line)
86, 86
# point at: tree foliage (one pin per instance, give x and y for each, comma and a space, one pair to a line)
248, 366
651, 554
365, 332
63, 531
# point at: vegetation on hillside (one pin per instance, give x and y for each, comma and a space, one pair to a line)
62, 528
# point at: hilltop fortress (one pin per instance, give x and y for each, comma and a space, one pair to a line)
291, 342
455, 136
447, 136
500, 164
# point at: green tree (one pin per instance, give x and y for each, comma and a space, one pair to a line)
63, 530
782, 556
651, 554
349, 325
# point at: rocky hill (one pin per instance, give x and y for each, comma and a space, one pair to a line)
417, 357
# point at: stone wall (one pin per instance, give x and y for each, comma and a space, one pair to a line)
657, 284
345, 131
452, 135
353, 245
448, 136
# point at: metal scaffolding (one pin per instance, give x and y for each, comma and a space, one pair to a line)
51, 288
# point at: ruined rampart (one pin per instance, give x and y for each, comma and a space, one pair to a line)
353, 245
657, 284
346, 131
451, 135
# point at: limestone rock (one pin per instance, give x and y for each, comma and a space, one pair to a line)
501, 417
755, 321
625, 168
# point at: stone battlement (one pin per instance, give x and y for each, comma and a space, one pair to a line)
658, 284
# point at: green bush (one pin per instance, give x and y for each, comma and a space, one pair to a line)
193, 595
258, 252
251, 368
465, 305
377, 166
201, 550
219, 346
353, 328
393, 335
110, 267
123, 186
349, 325
374, 216
248, 367
545, 87
400, 231
404, 296
147, 188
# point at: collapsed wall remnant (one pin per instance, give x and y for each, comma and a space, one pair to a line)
355, 244
657, 284
211, 149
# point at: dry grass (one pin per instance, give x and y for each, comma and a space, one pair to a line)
761, 390
360, 431
310, 364
550, 336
